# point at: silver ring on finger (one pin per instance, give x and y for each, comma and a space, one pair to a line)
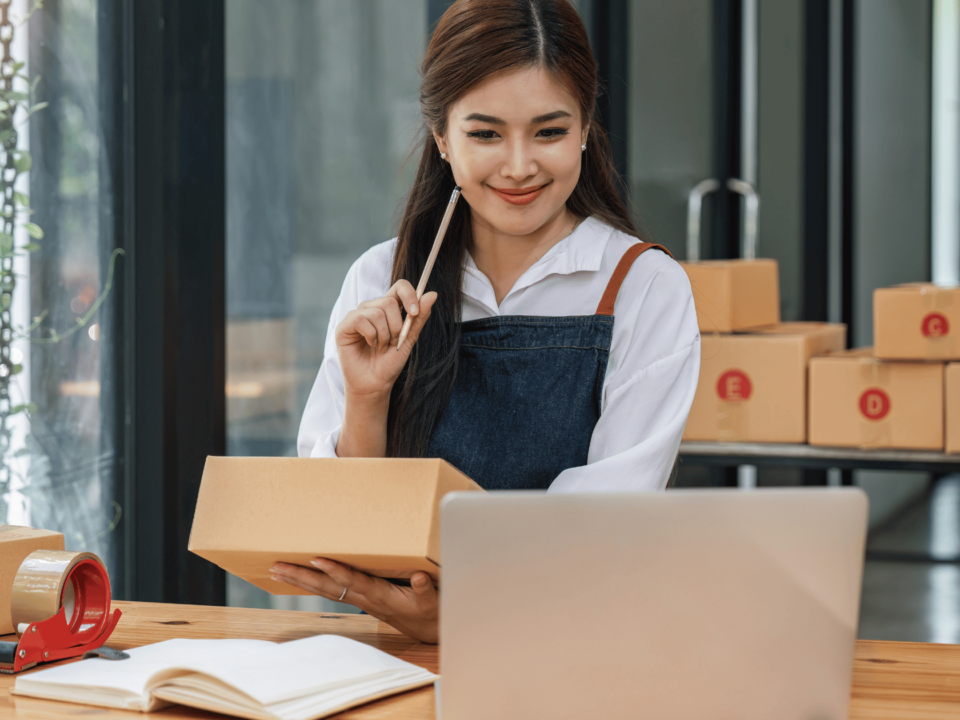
342, 595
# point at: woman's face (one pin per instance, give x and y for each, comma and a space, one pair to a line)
513, 144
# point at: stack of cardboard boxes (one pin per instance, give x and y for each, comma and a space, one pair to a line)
893, 395
753, 368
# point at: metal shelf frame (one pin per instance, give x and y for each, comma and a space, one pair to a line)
815, 457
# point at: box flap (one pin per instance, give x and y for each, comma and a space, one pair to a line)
21, 532
919, 286
862, 353
726, 263
803, 328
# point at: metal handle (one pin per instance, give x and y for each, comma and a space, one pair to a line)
749, 237
694, 211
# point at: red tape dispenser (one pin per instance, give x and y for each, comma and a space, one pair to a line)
60, 607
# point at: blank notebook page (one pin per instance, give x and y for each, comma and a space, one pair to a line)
309, 666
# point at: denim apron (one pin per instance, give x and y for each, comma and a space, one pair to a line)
527, 394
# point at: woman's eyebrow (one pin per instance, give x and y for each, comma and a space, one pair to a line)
556, 114
485, 118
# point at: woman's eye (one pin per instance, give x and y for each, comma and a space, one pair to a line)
482, 134
551, 133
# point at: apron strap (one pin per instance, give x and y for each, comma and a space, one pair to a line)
623, 267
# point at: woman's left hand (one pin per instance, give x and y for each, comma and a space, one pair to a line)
414, 610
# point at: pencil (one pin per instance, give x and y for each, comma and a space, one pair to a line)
430, 260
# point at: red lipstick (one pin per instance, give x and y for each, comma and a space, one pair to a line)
519, 196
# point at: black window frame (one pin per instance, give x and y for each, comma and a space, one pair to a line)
163, 109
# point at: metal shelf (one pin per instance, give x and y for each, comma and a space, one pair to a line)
815, 457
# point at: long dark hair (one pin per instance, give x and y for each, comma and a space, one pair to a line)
474, 41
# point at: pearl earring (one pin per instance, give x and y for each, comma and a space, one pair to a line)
443, 156
583, 148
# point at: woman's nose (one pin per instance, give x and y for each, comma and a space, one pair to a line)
519, 163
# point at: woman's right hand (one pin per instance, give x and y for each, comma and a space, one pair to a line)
367, 341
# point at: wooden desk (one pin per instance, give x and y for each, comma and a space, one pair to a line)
891, 681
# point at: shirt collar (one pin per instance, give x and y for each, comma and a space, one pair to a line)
581, 251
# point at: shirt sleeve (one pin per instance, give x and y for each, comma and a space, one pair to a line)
652, 377
368, 278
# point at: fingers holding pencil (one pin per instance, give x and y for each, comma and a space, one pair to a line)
441, 232
415, 323
403, 296
380, 322
366, 339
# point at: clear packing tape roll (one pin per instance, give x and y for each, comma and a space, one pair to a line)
60, 607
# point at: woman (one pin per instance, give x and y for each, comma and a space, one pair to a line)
514, 369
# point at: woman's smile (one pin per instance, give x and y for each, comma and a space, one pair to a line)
519, 196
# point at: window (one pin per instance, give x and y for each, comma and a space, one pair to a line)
62, 453
322, 113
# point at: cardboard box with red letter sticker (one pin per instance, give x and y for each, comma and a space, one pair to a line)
917, 321
753, 388
858, 400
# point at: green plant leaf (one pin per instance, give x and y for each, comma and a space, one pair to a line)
20, 197
16, 369
24, 162
30, 408
34, 230
38, 107
5, 300
31, 247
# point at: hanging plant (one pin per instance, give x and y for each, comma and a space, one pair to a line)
17, 105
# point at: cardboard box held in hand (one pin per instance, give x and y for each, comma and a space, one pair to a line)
917, 321
378, 515
753, 388
16, 543
857, 400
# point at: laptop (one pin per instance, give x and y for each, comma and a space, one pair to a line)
679, 605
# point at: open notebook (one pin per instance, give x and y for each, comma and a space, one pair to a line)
297, 680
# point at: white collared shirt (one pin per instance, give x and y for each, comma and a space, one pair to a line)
654, 359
